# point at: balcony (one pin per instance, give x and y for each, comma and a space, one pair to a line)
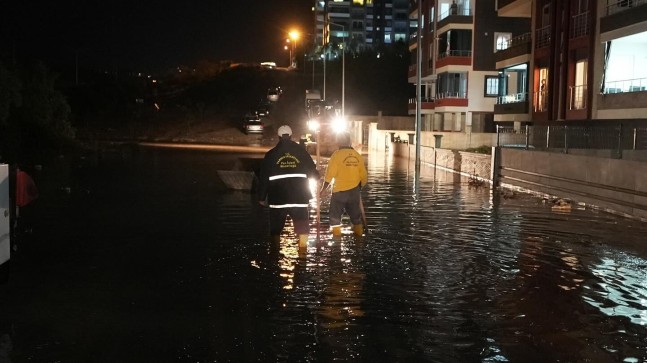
577, 98
451, 99
413, 40
540, 101
515, 47
625, 86
580, 25
543, 37
454, 57
455, 16
619, 6
412, 71
428, 103
622, 14
516, 103
515, 8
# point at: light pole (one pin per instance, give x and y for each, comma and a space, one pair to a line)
288, 48
294, 35
343, 68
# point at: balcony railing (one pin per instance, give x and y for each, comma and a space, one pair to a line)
540, 101
441, 95
617, 6
512, 98
629, 85
577, 99
455, 53
412, 101
615, 139
460, 11
580, 25
543, 37
515, 41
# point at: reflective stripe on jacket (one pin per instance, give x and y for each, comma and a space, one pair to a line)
284, 176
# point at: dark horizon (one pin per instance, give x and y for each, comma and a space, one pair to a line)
147, 36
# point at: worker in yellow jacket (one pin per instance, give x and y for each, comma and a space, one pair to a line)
347, 174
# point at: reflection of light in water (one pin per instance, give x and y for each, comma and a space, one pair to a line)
288, 254
342, 295
622, 291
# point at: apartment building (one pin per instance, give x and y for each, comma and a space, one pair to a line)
459, 77
361, 24
580, 60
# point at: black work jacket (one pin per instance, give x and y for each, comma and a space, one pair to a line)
284, 175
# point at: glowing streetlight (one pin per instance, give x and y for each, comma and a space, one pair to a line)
294, 36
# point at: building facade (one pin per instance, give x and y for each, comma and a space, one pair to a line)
580, 60
458, 71
361, 24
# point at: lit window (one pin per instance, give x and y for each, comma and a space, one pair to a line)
502, 40
491, 86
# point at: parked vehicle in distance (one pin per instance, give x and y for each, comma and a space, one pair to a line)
263, 110
252, 124
273, 95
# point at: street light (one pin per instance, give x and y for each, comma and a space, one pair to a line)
343, 68
289, 48
294, 35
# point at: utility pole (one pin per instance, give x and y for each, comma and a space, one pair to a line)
418, 89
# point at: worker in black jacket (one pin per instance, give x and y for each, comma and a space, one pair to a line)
284, 186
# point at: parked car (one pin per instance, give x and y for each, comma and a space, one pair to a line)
273, 94
263, 110
252, 124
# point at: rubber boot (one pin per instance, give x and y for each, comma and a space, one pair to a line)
336, 231
358, 230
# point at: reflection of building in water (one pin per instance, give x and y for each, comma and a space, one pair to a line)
342, 299
342, 290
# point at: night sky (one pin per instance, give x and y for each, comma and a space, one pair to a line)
148, 35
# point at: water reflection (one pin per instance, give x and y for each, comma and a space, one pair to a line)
445, 273
462, 274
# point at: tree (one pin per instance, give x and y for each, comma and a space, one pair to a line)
34, 115
10, 93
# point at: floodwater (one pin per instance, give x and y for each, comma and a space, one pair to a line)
149, 258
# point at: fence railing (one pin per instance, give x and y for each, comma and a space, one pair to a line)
459, 10
515, 41
512, 98
627, 85
580, 24
455, 53
617, 6
542, 37
614, 139
577, 99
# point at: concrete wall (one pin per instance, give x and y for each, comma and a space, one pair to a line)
460, 162
614, 185
592, 177
380, 139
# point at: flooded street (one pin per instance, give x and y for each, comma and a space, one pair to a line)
151, 259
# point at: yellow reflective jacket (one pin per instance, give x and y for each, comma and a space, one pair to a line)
346, 170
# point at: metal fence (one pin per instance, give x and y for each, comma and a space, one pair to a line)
615, 139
